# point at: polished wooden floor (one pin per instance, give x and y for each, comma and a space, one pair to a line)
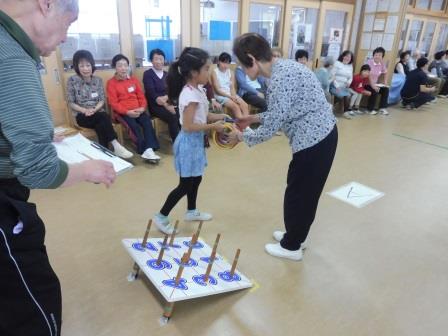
380, 270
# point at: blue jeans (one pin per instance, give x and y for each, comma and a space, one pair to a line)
143, 130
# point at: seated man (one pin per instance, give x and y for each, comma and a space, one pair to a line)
416, 91
253, 92
154, 81
126, 98
438, 70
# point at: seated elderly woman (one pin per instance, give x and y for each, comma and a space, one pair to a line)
126, 98
154, 81
416, 90
253, 92
85, 95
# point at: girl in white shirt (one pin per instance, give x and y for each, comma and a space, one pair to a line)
224, 86
185, 81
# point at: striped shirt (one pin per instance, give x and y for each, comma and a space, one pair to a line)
26, 127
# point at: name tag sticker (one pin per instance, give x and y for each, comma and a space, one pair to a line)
131, 89
94, 94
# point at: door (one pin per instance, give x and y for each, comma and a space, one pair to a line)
301, 22
334, 31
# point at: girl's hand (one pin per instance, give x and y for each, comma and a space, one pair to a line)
218, 126
216, 106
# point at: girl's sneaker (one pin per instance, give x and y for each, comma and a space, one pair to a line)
373, 112
163, 223
383, 111
196, 215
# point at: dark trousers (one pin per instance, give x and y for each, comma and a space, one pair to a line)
172, 120
143, 130
30, 293
255, 100
101, 123
307, 174
421, 99
384, 95
187, 186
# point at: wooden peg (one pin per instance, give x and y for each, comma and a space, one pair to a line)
174, 233
235, 261
183, 261
162, 250
190, 249
145, 237
198, 232
212, 258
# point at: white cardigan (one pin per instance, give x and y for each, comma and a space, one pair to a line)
343, 74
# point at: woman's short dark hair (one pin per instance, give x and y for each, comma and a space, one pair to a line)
438, 55
301, 53
83, 55
118, 58
404, 54
156, 52
421, 62
225, 58
345, 53
253, 44
365, 67
379, 50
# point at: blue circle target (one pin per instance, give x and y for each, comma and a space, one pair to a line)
197, 245
163, 264
149, 246
228, 278
172, 283
189, 263
199, 279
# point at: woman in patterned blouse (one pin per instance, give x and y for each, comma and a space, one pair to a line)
86, 98
297, 106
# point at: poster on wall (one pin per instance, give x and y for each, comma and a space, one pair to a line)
335, 35
302, 34
379, 24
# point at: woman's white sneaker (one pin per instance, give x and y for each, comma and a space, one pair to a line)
122, 152
277, 251
150, 155
196, 215
278, 236
373, 112
384, 111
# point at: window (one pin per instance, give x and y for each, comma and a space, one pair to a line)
97, 33
422, 4
404, 31
438, 5
265, 20
219, 25
414, 34
303, 31
442, 41
156, 24
428, 36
